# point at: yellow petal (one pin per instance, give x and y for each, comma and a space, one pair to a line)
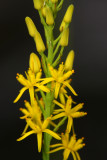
56, 145
43, 88
46, 123
28, 106
66, 154
31, 92
59, 115
69, 124
78, 114
55, 150
47, 80
20, 94
78, 156
25, 129
39, 139
59, 104
72, 141
74, 156
26, 135
66, 75
77, 107
68, 85
62, 98
53, 134
57, 87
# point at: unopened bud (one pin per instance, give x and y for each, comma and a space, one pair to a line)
31, 26
43, 10
39, 42
38, 4
34, 63
54, 1
64, 37
68, 14
62, 26
69, 61
49, 16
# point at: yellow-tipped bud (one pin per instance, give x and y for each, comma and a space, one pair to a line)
68, 14
54, 1
34, 63
39, 42
69, 61
64, 37
43, 10
38, 4
31, 26
49, 16
62, 26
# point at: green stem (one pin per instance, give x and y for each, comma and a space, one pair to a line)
59, 125
59, 57
56, 50
60, 5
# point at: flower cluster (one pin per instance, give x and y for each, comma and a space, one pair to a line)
47, 92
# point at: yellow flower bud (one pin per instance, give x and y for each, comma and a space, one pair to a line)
31, 26
38, 4
69, 61
34, 63
54, 1
39, 42
49, 16
64, 37
68, 14
43, 10
62, 26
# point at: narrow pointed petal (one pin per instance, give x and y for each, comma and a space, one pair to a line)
78, 156
57, 87
66, 76
43, 88
58, 116
68, 85
26, 135
56, 145
20, 94
78, 114
74, 156
25, 129
45, 123
39, 139
53, 134
77, 107
31, 92
47, 80
69, 124
59, 104
55, 150
66, 154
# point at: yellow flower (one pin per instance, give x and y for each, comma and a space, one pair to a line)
69, 146
67, 110
49, 16
60, 78
29, 83
39, 129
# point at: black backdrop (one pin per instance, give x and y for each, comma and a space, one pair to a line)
88, 38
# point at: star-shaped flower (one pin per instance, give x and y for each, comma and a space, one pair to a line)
60, 78
67, 110
69, 146
39, 129
29, 83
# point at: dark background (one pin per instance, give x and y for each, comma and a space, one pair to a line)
88, 38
